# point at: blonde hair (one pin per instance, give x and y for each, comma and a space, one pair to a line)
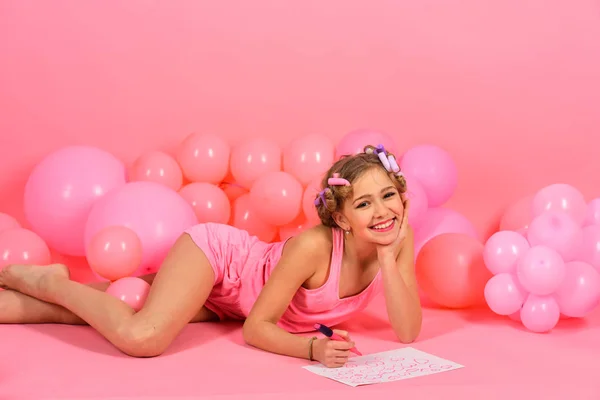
332, 197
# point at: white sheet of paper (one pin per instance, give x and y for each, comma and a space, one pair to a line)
388, 366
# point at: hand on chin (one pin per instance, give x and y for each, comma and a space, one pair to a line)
394, 241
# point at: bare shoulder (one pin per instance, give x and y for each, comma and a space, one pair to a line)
312, 244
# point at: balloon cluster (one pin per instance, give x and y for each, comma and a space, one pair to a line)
546, 258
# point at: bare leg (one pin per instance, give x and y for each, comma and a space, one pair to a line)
179, 290
19, 308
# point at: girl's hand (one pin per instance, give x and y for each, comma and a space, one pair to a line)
333, 353
390, 251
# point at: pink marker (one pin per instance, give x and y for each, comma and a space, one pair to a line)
325, 330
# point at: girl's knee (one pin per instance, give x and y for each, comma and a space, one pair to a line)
141, 340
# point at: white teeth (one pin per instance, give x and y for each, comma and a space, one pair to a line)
383, 226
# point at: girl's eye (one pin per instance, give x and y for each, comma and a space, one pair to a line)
361, 205
389, 194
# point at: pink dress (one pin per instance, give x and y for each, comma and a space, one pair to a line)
242, 264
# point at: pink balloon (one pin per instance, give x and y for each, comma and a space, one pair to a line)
157, 214
253, 159
133, 291
114, 252
308, 202
418, 201
294, 228
592, 216
22, 246
589, 252
209, 202
451, 271
579, 293
354, 142
204, 157
61, 191
560, 197
276, 197
558, 231
502, 250
245, 217
442, 220
8, 222
504, 295
540, 313
435, 170
308, 157
518, 215
159, 167
541, 270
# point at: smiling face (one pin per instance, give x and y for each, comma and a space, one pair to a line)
374, 210
366, 199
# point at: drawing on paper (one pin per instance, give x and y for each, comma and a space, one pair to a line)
387, 366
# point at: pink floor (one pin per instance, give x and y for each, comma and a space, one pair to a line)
210, 361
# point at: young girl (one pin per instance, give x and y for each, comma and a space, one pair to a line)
324, 275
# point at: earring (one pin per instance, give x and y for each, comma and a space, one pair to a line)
347, 232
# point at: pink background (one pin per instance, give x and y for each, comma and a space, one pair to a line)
511, 89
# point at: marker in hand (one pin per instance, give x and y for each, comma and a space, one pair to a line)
329, 333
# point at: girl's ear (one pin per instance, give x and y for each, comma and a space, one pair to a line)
341, 220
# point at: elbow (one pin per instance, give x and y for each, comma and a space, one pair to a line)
249, 332
408, 338
409, 333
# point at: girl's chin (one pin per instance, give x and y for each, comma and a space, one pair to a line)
382, 240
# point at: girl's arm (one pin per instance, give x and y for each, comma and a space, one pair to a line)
300, 260
400, 289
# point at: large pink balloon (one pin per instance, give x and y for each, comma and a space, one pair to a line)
435, 170
560, 197
210, 203
540, 313
502, 250
8, 222
276, 197
157, 214
354, 142
442, 220
418, 201
541, 270
131, 290
22, 246
62, 189
254, 158
518, 216
114, 252
451, 271
245, 217
204, 157
558, 231
504, 295
308, 157
159, 167
579, 292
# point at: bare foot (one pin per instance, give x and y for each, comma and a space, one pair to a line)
31, 280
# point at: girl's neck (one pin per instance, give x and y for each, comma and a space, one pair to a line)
361, 252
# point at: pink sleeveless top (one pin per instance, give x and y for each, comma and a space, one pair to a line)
323, 304
242, 264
